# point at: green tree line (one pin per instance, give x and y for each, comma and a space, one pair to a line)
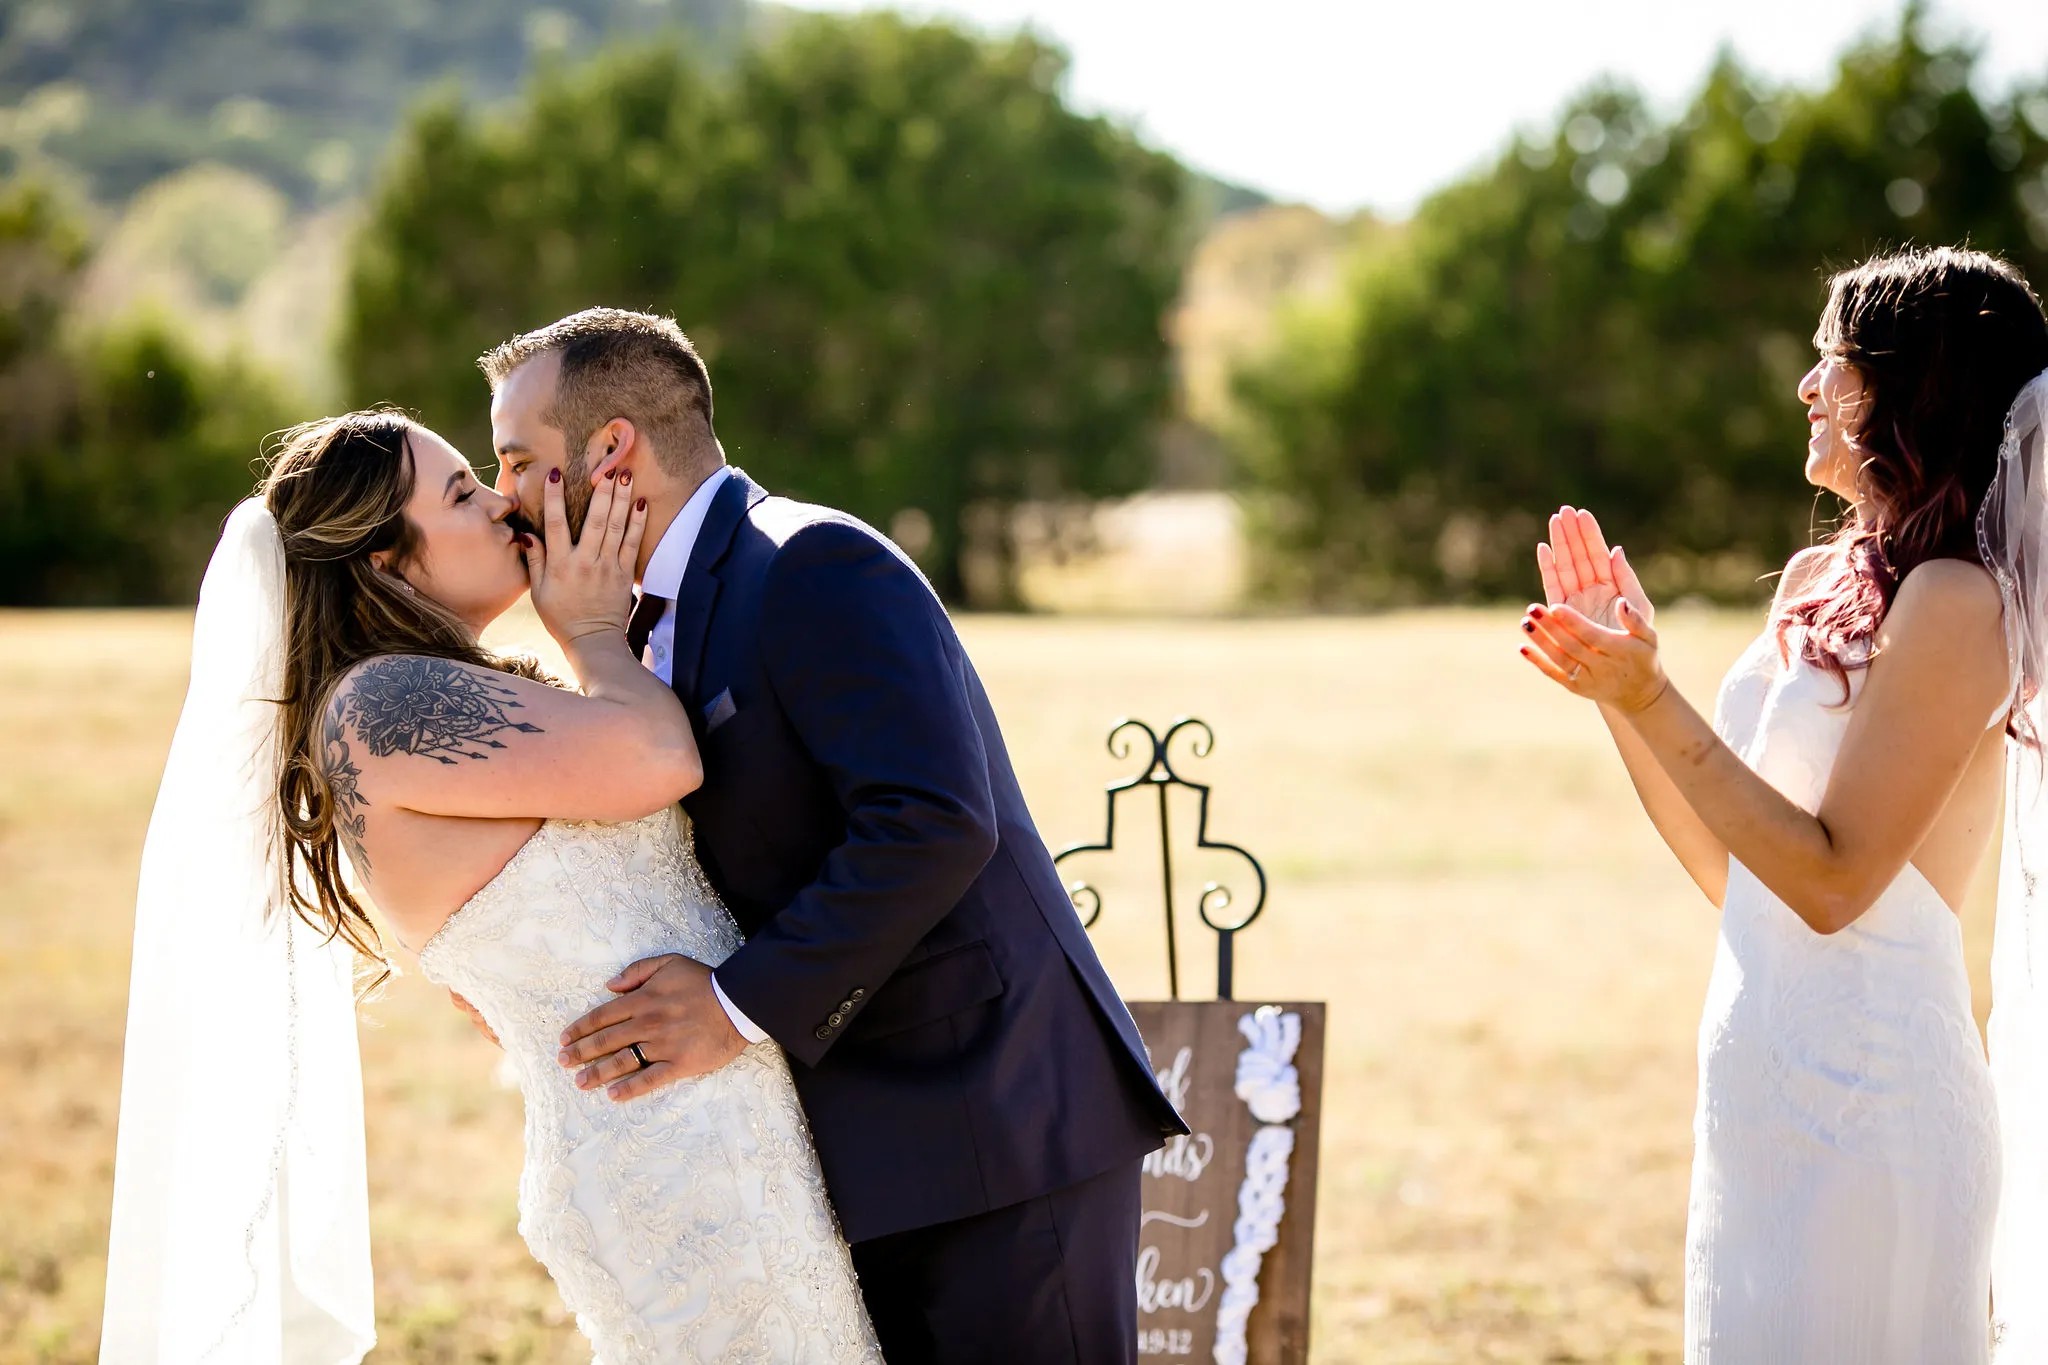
1616, 315
925, 287
122, 449
929, 290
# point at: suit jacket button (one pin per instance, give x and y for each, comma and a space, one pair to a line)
845, 1006
859, 993
836, 1020
822, 1034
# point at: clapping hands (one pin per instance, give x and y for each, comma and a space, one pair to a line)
1580, 572
1594, 637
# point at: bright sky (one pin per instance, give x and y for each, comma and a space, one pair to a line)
1365, 103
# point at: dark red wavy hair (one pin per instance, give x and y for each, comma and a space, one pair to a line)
1943, 340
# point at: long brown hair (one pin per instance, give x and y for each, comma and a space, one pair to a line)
338, 489
1943, 340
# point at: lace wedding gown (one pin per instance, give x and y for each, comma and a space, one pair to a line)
1846, 1166
690, 1224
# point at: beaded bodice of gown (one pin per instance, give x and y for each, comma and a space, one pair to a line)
1846, 1167
690, 1224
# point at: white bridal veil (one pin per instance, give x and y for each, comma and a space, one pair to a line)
241, 1209
2012, 532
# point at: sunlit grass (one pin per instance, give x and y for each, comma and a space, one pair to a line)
1514, 967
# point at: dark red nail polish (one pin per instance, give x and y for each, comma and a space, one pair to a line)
640, 506
611, 473
554, 476
1529, 627
1536, 613
625, 476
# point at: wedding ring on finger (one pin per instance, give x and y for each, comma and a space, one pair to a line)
639, 1056
1573, 676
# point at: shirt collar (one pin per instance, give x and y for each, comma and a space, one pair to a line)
671, 557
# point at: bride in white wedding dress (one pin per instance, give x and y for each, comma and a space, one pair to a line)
526, 840
1846, 1174
690, 1224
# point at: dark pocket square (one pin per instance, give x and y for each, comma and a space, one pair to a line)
719, 710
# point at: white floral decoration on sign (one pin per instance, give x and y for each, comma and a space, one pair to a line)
1270, 1086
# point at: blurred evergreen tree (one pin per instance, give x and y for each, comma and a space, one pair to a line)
122, 451
41, 253
1617, 317
921, 282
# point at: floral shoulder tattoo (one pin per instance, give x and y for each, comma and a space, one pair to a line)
410, 704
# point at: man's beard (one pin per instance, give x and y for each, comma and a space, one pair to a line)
576, 491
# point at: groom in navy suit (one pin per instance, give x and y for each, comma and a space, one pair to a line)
979, 1097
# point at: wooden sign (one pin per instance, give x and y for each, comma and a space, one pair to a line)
1207, 1237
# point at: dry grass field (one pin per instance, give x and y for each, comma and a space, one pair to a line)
1514, 969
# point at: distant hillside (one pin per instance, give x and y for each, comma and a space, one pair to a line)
226, 143
302, 93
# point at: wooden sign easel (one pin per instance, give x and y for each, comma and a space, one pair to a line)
1224, 1261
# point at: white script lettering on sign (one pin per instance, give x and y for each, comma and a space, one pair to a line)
1190, 1292
1228, 1208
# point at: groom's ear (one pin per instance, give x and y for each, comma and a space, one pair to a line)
611, 444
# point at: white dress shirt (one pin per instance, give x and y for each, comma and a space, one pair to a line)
666, 567
665, 570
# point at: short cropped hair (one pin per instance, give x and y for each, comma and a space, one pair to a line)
617, 363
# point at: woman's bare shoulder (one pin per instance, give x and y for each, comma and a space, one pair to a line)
1954, 583
423, 704
1948, 614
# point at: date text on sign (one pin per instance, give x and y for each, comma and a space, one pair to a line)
1195, 1190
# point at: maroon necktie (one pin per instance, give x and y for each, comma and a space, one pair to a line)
645, 613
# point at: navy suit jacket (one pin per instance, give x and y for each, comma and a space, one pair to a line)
955, 1041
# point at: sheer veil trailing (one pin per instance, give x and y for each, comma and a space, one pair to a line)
241, 1209
2012, 533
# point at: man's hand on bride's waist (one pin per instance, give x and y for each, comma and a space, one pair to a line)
666, 1025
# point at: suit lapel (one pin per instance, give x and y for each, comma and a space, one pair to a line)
698, 592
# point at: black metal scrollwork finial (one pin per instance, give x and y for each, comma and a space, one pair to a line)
1160, 774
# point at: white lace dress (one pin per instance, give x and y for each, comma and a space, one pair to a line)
1846, 1168
690, 1224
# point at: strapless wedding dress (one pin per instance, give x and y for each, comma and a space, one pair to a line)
687, 1225
1846, 1167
